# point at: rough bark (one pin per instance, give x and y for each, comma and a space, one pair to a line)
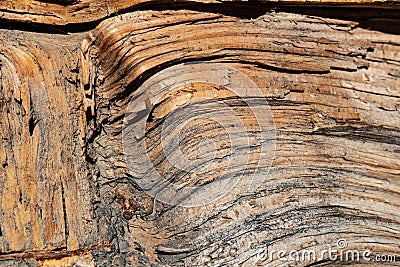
70, 193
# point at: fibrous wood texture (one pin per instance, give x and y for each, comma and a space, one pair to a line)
73, 192
43, 175
61, 12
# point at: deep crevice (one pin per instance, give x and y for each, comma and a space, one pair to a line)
60, 2
66, 230
366, 133
32, 124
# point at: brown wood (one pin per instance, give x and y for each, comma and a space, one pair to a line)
62, 12
70, 189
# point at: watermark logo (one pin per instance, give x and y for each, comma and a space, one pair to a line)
341, 243
337, 252
193, 132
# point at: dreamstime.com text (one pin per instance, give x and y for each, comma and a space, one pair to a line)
336, 253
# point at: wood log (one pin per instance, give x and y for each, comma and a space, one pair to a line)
194, 138
63, 12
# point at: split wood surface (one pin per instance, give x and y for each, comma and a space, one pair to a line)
70, 194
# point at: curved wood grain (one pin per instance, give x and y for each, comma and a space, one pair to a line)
70, 197
333, 91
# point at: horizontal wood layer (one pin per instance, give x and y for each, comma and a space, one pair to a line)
61, 12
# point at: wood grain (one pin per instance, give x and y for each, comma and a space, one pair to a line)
62, 12
69, 196
333, 90
44, 176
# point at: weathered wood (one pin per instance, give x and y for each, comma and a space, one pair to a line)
46, 196
61, 12
333, 92
70, 193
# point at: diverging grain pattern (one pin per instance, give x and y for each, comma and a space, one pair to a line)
333, 91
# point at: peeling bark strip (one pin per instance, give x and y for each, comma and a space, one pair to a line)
68, 197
